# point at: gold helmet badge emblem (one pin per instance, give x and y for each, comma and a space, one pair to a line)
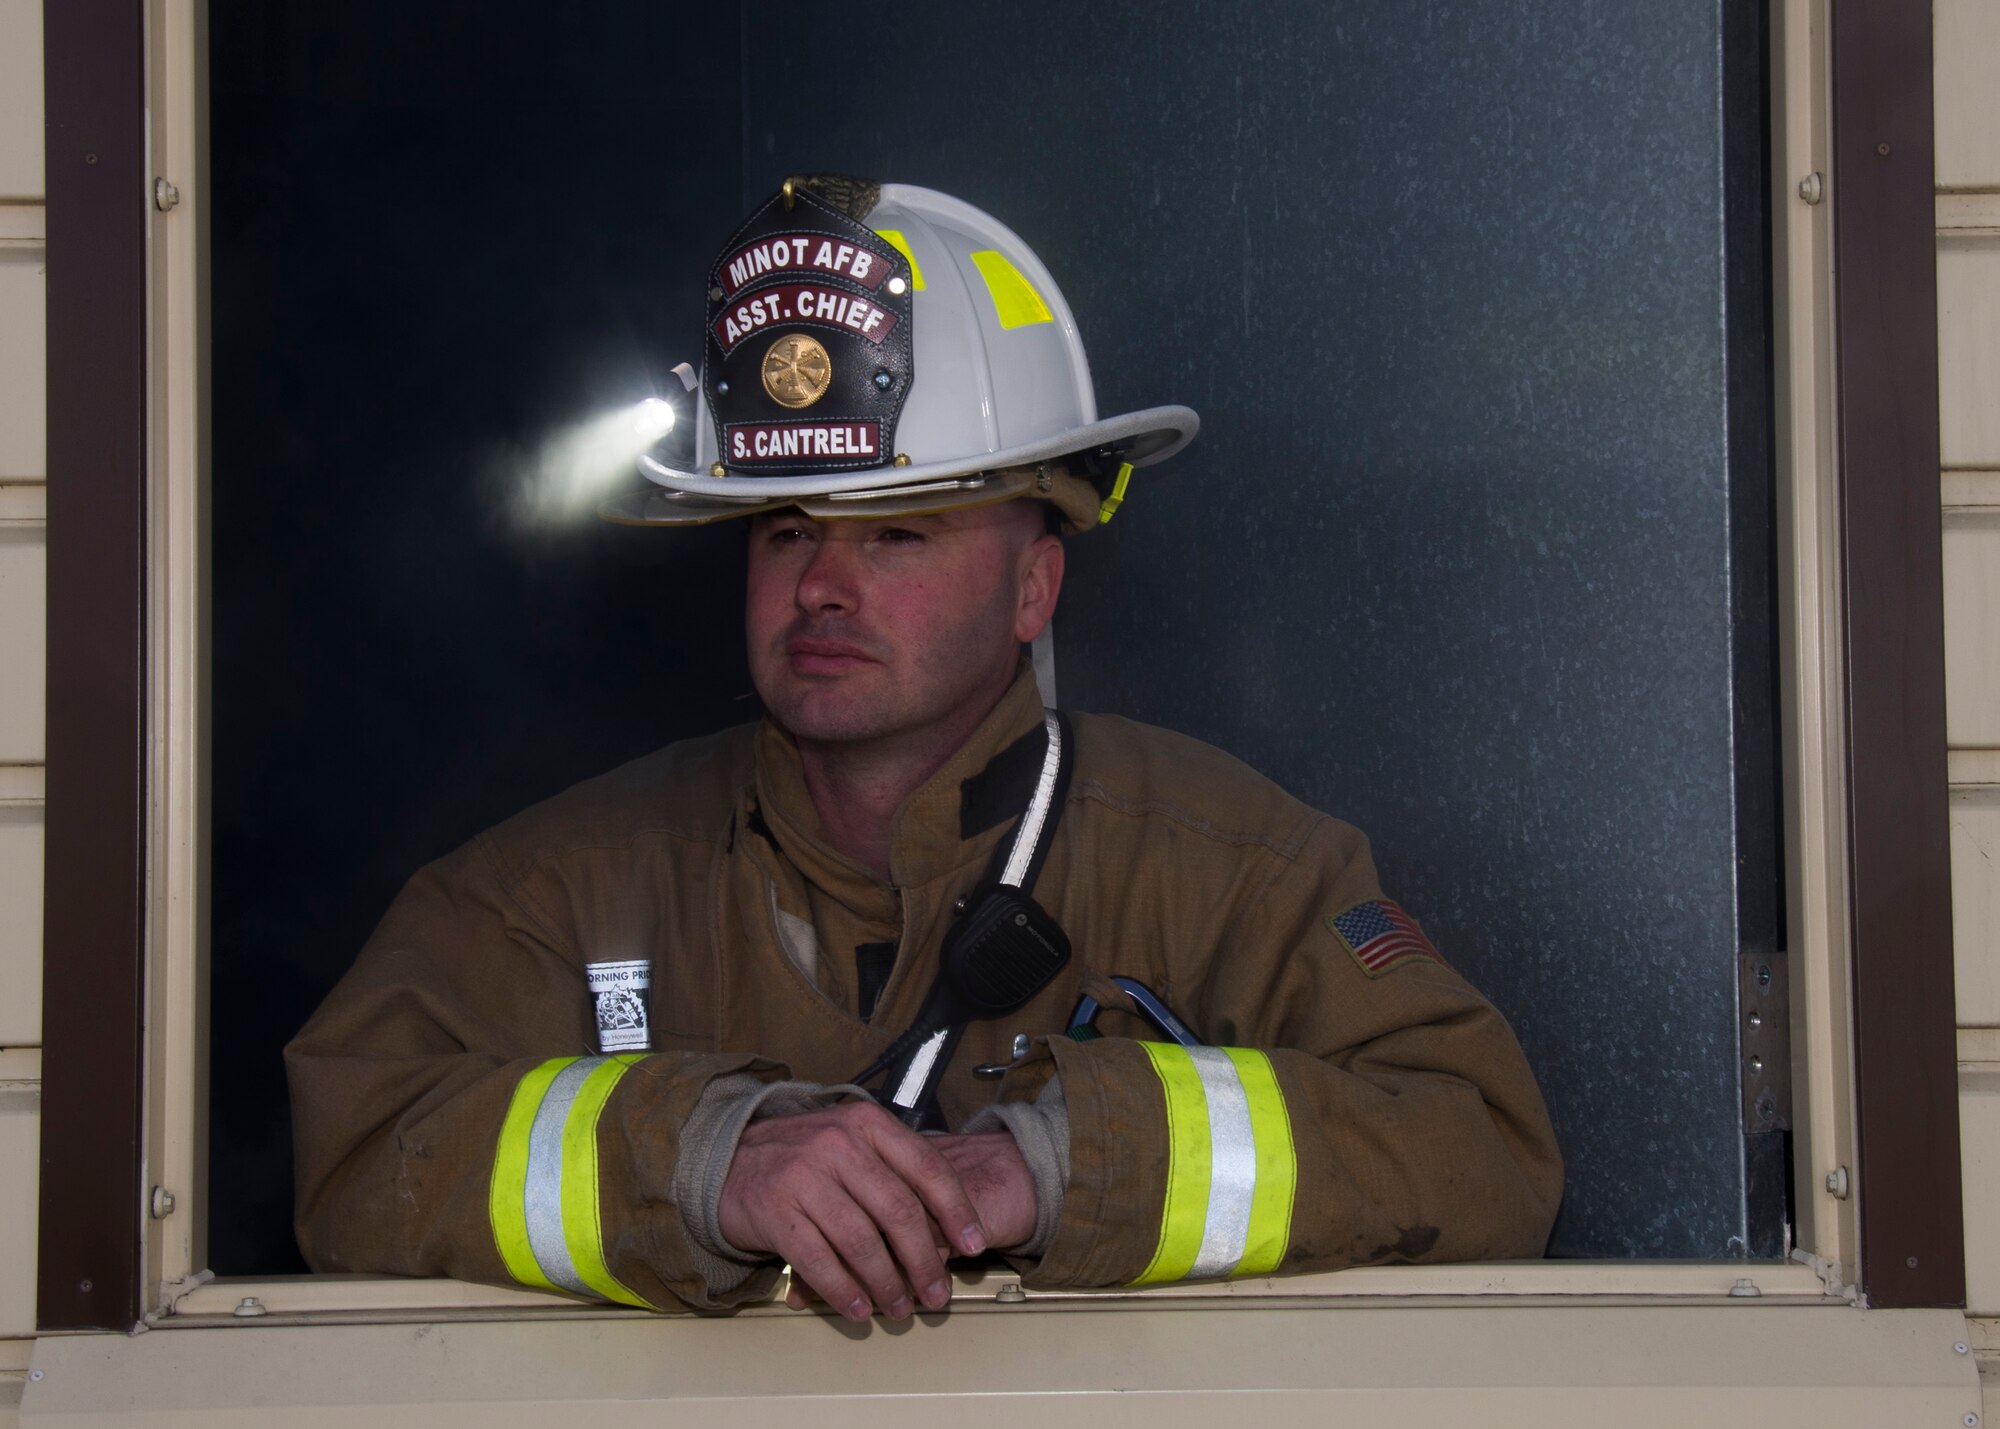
797, 371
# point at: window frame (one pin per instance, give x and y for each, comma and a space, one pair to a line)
1861, 652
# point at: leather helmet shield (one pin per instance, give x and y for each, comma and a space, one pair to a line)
809, 341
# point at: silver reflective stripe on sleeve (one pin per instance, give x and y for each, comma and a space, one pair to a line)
545, 1167
1232, 1169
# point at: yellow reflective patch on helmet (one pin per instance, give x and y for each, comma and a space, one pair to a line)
1014, 297
902, 246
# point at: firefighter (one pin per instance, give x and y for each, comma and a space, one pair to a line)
916, 967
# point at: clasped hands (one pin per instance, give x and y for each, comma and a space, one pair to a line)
867, 1211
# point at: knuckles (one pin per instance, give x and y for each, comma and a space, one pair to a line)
805, 1166
933, 1166
866, 1118
904, 1213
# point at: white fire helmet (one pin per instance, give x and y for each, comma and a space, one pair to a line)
888, 350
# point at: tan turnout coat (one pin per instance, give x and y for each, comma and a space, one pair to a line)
1416, 1129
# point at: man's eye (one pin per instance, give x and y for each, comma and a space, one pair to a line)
899, 535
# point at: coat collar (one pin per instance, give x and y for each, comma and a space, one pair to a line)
947, 828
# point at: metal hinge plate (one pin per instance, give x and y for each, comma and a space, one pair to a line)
1764, 1033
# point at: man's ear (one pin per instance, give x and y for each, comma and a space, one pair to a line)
1039, 580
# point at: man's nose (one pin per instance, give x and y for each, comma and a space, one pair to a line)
828, 580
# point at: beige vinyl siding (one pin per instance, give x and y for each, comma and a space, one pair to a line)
24, 551
1966, 42
23, 449
21, 100
1968, 317
1967, 47
20, 914
23, 652
1979, 1124
1975, 852
1972, 602
1969, 485
20, 1135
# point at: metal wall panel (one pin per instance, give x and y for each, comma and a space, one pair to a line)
444, 236
1462, 554
1452, 557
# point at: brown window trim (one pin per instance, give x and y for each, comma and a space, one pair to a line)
1885, 310
1886, 376
93, 932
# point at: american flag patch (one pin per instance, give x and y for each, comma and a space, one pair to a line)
1381, 936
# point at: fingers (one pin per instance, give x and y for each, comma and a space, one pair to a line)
815, 1263
894, 1215
838, 1252
855, 1201
996, 1175
810, 1219
799, 1293
924, 1169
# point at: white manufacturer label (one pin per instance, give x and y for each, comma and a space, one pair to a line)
621, 990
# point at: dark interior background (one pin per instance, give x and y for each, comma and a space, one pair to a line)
1474, 549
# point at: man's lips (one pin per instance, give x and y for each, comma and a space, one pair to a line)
809, 656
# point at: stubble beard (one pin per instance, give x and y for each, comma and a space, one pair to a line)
877, 706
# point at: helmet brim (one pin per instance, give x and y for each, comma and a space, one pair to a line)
1143, 437
667, 507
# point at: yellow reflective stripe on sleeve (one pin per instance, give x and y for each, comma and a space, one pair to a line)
506, 1203
1015, 300
1186, 1208
1232, 1169
902, 246
544, 1200
1277, 1163
582, 1226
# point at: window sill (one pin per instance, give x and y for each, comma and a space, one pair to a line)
361, 1299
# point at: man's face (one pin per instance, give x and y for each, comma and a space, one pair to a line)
895, 630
